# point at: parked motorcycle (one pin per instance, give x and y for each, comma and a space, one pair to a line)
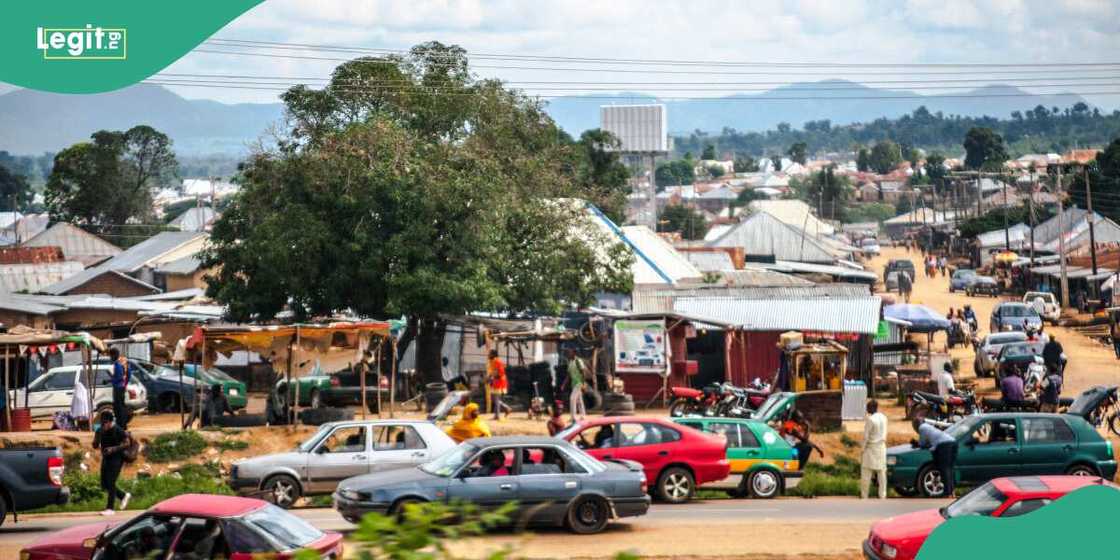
688, 401
942, 412
737, 402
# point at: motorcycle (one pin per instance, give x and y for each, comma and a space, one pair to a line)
736, 402
688, 401
942, 412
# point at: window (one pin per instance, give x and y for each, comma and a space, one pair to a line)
103, 378
634, 433
389, 438
346, 439
147, 537
201, 538
244, 537
492, 462
1046, 430
595, 437
547, 460
287, 529
62, 380
1024, 507
996, 432
981, 501
728, 430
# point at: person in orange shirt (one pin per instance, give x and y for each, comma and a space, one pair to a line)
499, 384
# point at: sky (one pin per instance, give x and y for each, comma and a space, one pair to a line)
833, 31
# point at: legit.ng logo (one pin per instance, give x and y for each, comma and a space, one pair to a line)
82, 43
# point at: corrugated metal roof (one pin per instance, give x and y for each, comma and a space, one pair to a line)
132, 259
194, 219
661, 258
76, 243
760, 277
709, 261
764, 235
32, 277
186, 265
810, 268
716, 231
854, 315
795, 213
655, 300
1017, 234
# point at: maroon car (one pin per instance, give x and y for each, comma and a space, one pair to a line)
675, 458
191, 526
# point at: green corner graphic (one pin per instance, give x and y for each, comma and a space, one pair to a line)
75, 46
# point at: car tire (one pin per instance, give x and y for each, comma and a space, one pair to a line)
675, 485
1081, 470
588, 515
168, 402
929, 482
241, 421
905, 491
282, 490
765, 484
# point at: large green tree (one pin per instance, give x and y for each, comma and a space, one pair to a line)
684, 220
441, 195
885, 156
984, 150
798, 152
826, 191
14, 190
676, 172
745, 164
108, 182
1103, 174
600, 173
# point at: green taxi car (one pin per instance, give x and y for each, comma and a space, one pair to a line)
763, 464
1007, 444
235, 390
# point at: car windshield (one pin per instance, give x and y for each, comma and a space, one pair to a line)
981, 501
1017, 311
311, 441
450, 462
1006, 338
1017, 350
285, 528
964, 273
962, 428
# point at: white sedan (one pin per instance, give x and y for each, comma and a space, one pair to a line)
53, 392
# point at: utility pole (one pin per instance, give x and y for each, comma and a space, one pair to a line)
1062, 241
1030, 212
1092, 218
979, 197
1006, 233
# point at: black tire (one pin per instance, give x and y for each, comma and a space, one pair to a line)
588, 515
397, 509
315, 400
765, 484
905, 491
682, 407
282, 490
1081, 470
168, 402
979, 371
929, 482
675, 485
592, 399
618, 404
320, 416
1114, 423
241, 421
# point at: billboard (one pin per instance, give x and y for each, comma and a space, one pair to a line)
640, 128
640, 347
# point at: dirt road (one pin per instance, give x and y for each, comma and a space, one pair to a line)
1090, 363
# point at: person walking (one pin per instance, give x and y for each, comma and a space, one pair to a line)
905, 285
576, 371
112, 440
942, 264
945, 385
873, 459
1052, 354
1114, 332
499, 384
944, 449
119, 380
1051, 393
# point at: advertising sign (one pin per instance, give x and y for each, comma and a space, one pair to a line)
639, 346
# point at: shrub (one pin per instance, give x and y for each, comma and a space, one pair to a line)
841, 478
848, 442
232, 445
86, 493
174, 446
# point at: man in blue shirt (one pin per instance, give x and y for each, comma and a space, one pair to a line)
944, 449
119, 380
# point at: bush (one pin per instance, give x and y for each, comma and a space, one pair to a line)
841, 478
174, 446
848, 442
232, 445
86, 493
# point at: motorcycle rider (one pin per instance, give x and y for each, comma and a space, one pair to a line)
945, 386
970, 318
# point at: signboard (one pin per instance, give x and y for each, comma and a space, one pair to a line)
640, 347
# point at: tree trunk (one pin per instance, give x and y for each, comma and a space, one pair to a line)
429, 349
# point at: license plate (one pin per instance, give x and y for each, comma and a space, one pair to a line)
233, 392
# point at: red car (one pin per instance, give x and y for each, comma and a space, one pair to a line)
899, 538
677, 457
191, 526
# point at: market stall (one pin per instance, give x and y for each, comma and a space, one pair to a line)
18, 341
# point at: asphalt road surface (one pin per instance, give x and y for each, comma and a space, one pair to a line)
674, 526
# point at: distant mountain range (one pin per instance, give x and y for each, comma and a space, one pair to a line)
33, 122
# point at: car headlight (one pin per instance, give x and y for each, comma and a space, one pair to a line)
888, 551
892, 459
351, 494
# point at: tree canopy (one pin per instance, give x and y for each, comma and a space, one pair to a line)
798, 152
443, 195
885, 156
684, 220
14, 190
984, 150
108, 182
675, 172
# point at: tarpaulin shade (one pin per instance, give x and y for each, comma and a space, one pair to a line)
921, 318
272, 341
26, 336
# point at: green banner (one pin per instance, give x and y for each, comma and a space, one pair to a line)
73, 46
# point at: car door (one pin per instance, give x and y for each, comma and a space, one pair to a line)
992, 450
1048, 445
396, 446
490, 490
642, 442
53, 394
742, 452
548, 480
147, 536
339, 455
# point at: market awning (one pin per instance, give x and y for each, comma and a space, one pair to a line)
922, 319
23, 335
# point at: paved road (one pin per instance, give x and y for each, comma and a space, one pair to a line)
820, 510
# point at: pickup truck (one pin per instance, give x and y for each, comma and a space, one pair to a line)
1045, 304
30, 478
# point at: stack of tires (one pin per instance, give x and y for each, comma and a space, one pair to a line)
618, 404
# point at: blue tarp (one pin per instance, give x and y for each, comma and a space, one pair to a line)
921, 318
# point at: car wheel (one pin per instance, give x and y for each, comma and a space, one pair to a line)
316, 400
169, 402
675, 485
1081, 470
398, 507
765, 484
979, 371
929, 482
282, 490
588, 515
905, 491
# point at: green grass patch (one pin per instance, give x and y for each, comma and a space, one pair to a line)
232, 445
86, 493
841, 478
174, 446
847, 441
320, 501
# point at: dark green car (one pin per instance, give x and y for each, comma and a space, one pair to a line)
763, 465
1007, 444
235, 390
